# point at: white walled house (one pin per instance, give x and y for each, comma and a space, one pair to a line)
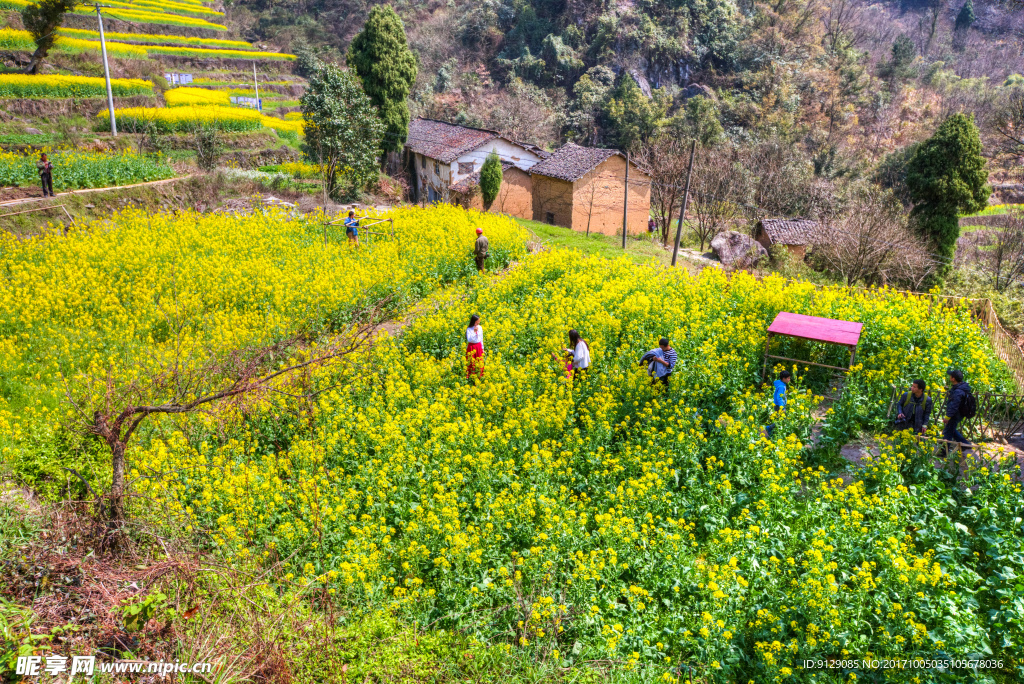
442, 154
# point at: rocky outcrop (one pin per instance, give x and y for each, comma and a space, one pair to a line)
698, 90
738, 250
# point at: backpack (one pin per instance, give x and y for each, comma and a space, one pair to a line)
969, 406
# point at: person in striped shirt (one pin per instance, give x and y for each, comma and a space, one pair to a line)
664, 364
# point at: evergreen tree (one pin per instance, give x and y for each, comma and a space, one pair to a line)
343, 133
903, 51
965, 19
42, 19
490, 177
381, 57
945, 178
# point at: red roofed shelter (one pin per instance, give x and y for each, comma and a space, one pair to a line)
815, 329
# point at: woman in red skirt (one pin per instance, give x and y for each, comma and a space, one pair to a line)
474, 348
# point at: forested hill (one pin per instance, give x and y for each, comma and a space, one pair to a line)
848, 81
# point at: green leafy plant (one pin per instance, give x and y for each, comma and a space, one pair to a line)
490, 177
136, 615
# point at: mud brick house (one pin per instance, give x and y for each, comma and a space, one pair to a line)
796, 235
445, 161
582, 188
515, 197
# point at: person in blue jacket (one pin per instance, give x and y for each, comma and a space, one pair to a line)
352, 228
779, 396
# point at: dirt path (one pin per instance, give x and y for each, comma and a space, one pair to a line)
32, 200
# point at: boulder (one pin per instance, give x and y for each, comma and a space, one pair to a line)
738, 250
698, 90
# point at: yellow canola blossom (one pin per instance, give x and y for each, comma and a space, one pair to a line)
52, 85
177, 97
652, 528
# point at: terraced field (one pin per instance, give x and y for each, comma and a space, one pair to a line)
178, 65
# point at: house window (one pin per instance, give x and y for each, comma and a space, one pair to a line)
423, 162
466, 168
549, 218
437, 168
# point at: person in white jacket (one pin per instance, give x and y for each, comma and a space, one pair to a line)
580, 351
474, 348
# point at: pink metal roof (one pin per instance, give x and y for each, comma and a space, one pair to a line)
813, 328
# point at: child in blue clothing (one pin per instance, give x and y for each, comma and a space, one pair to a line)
779, 396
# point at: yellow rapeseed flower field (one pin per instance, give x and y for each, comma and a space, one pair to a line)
177, 97
157, 38
596, 518
187, 117
53, 85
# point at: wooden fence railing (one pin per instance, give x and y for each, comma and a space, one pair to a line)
1000, 416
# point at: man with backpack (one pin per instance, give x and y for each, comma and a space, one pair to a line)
960, 404
914, 409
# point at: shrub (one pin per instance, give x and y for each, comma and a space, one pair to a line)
490, 177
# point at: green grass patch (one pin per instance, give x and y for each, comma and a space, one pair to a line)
639, 248
26, 139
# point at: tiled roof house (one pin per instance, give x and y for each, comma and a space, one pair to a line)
446, 159
583, 188
794, 234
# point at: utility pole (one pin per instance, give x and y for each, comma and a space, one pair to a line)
259, 106
686, 200
106, 72
625, 205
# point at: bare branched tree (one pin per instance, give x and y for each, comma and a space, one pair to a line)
871, 243
1008, 254
666, 160
841, 21
189, 385
716, 193
1008, 120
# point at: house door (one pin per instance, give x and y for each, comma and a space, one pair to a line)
431, 194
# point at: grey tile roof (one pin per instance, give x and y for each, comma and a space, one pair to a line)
445, 142
571, 162
789, 231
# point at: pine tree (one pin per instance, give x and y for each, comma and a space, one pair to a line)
490, 177
945, 178
381, 57
965, 19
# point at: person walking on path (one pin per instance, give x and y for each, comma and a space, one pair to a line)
480, 249
779, 397
45, 174
914, 409
959, 404
664, 363
474, 348
352, 228
580, 351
